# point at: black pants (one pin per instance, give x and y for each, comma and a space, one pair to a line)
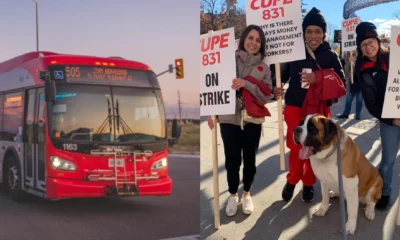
235, 140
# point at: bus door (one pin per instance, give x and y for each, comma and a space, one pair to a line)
35, 140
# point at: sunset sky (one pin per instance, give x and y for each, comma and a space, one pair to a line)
153, 32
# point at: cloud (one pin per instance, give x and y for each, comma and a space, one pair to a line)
384, 25
378, 20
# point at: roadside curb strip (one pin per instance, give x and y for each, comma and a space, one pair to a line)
186, 155
192, 237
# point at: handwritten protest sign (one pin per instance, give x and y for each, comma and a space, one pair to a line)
281, 22
349, 34
218, 69
391, 105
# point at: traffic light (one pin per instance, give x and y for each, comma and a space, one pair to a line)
179, 68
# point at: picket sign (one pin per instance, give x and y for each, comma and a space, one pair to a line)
214, 143
391, 103
280, 119
218, 65
349, 37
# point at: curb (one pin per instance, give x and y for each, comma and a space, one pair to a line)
187, 153
191, 237
184, 155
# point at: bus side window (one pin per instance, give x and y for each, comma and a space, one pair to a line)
41, 119
30, 116
13, 117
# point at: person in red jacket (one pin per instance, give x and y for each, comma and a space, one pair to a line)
314, 29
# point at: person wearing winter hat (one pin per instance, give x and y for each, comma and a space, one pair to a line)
372, 65
314, 31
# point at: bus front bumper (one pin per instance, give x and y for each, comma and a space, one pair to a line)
59, 188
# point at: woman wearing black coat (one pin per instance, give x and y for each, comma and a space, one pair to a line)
314, 29
372, 65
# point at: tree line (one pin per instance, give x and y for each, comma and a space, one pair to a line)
220, 14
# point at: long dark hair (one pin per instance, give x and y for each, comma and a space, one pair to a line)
383, 54
262, 38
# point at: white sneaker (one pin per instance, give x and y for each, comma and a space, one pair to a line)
247, 205
231, 207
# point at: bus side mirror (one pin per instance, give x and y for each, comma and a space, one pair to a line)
49, 86
50, 91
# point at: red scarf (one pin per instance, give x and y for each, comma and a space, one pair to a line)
255, 108
370, 64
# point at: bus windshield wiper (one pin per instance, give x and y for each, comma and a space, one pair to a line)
103, 126
125, 128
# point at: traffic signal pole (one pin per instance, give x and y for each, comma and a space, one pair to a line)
170, 70
165, 72
179, 72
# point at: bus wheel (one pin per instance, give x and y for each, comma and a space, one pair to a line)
13, 178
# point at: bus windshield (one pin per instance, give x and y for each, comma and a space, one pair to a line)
107, 114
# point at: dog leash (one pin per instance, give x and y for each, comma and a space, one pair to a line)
341, 191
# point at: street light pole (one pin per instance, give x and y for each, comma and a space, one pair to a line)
37, 25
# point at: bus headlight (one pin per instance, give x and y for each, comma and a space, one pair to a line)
160, 164
61, 164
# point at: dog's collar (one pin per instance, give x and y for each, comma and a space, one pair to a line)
331, 152
333, 149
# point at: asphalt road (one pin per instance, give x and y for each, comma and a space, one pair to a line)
129, 218
275, 219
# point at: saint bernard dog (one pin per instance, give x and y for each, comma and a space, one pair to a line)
362, 182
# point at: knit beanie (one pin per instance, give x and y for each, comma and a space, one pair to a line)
366, 30
314, 17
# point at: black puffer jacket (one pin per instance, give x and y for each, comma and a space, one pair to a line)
355, 87
326, 58
374, 91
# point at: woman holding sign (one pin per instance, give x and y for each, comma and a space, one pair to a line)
301, 74
372, 66
253, 81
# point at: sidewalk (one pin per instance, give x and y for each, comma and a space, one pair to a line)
273, 218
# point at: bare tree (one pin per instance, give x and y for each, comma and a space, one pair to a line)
331, 34
397, 15
303, 10
209, 14
220, 14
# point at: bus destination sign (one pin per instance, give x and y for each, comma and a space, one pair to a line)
98, 73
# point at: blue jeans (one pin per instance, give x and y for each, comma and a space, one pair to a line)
349, 101
390, 141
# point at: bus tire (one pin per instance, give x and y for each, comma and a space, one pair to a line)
13, 182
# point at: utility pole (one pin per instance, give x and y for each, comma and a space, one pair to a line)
37, 25
179, 106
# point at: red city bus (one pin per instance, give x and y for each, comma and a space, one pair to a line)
76, 126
